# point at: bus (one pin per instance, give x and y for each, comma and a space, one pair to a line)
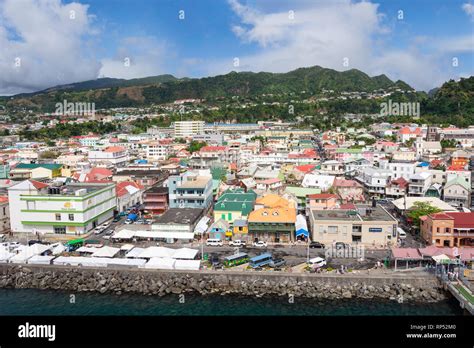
261, 260
235, 260
74, 244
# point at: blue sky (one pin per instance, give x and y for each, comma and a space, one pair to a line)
275, 36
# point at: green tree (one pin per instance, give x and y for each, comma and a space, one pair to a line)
195, 146
420, 209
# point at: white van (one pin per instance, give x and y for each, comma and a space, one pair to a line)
214, 242
401, 233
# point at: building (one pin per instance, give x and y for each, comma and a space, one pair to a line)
457, 192
190, 190
112, 155
375, 180
272, 220
156, 200
396, 188
399, 169
419, 184
176, 224
448, 229
35, 170
159, 150
145, 177
184, 129
367, 225
72, 209
321, 201
129, 193
4, 215
234, 205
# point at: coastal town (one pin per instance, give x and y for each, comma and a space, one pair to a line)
272, 197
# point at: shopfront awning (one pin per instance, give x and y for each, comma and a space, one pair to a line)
302, 232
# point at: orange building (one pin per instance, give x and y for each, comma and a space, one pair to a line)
450, 229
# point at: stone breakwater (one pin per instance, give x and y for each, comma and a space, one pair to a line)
160, 283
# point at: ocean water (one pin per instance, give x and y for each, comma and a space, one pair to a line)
48, 302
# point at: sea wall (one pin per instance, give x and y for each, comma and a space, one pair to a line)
391, 286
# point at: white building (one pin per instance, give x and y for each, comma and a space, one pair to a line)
419, 183
375, 180
115, 155
184, 129
399, 169
158, 150
74, 209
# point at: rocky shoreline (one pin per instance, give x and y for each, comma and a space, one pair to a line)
161, 283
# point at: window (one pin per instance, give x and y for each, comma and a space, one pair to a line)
58, 217
229, 216
31, 205
332, 229
4, 211
71, 217
60, 229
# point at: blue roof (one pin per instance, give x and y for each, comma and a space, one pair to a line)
260, 257
423, 164
302, 231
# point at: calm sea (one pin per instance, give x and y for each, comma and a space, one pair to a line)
47, 302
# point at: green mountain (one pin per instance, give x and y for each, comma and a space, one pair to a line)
166, 88
452, 103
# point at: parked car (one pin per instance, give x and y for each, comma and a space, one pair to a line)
237, 243
275, 263
31, 242
317, 262
401, 233
109, 232
117, 218
214, 242
260, 244
314, 245
106, 237
106, 224
128, 221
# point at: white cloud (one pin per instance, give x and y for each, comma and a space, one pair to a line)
469, 9
48, 40
137, 57
325, 33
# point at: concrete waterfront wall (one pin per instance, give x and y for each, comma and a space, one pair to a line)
424, 288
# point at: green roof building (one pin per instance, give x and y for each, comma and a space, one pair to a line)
234, 205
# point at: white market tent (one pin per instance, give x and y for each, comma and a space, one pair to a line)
127, 247
187, 265
40, 260
28, 252
88, 250
79, 260
124, 234
106, 251
154, 251
185, 253
125, 262
58, 248
202, 225
135, 252
5, 255
165, 235
442, 258
160, 263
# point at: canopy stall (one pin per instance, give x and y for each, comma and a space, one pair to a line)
160, 263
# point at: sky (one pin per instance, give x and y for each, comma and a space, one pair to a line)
44, 43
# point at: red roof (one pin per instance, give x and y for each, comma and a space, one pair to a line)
340, 182
401, 182
406, 253
461, 220
305, 168
38, 185
322, 196
213, 148
114, 149
3, 199
348, 206
407, 130
121, 187
456, 168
